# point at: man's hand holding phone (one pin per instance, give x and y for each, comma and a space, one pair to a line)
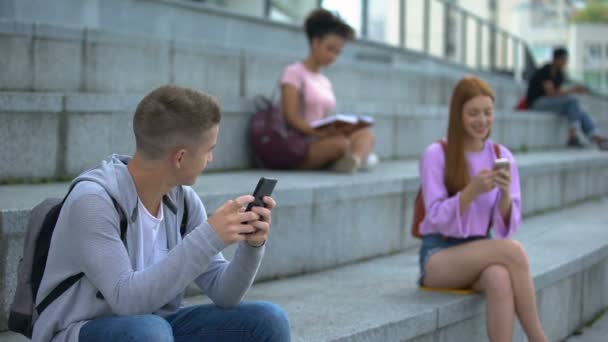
262, 226
231, 221
262, 205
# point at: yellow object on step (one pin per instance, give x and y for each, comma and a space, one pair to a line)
450, 291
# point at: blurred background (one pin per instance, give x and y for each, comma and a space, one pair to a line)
510, 36
73, 71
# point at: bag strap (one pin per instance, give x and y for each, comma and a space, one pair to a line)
58, 291
172, 207
184, 224
123, 221
497, 150
67, 283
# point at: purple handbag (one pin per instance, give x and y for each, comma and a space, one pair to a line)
275, 145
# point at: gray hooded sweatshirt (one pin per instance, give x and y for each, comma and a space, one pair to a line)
87, 239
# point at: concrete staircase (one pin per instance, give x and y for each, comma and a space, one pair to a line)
341, 260
47, 129
318, 226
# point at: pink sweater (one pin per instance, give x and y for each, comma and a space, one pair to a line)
443, 212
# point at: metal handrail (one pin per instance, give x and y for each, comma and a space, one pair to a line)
504, 52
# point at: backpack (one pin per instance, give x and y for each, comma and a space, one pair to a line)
275, 145
522, 104
39, 231
419, 210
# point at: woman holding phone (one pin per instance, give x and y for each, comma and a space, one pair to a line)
307, 96
465, 194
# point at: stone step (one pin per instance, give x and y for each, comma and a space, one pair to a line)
324, 219
378, 300
44, 57
61, 134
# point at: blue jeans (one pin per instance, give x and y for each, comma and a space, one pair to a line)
569, 106
249, 321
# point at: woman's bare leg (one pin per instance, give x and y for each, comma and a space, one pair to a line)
324, 151
495, 282
362, 143
462, 266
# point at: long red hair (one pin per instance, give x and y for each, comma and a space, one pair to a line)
456, 167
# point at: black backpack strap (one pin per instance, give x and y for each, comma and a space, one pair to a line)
58, 291
123, 221
43, 243
171, 206
67, 283
184, 225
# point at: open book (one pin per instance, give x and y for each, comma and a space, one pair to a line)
344, 120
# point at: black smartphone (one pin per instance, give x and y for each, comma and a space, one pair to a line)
264, 188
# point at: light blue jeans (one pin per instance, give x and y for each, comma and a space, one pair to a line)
569, 106
249, 321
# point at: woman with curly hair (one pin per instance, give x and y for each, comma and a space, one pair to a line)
307, 96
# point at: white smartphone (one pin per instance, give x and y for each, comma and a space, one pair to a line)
501, 163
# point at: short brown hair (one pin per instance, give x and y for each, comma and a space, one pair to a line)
173, 116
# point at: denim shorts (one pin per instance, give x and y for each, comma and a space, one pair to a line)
433, 243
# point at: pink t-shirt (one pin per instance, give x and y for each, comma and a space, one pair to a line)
319, 99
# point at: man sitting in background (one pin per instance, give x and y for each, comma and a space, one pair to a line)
545, 93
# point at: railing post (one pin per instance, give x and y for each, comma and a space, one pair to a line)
267, 8
528, 63
492, 46
446, 31
505, 51
479, 46
516, 71
364, 18
426, 17
463, 37
402, 23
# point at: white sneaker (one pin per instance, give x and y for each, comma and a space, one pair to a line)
371, 162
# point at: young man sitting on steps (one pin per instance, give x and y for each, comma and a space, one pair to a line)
545, 93
133, 285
